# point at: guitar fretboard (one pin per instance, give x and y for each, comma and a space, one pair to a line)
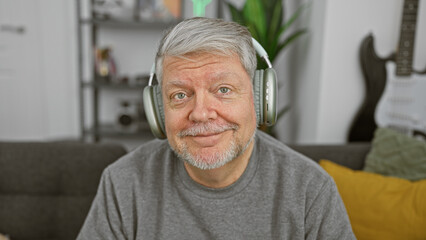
404, 55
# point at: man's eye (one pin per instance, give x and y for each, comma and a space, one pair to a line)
224, 90
179, 96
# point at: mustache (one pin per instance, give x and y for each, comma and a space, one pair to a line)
207, 128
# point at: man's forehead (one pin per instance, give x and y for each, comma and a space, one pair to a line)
211, 78
195, 56
196, 66
200, 61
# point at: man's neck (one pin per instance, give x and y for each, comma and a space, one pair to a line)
223, 176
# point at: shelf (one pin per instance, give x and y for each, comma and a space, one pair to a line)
114, 85
92, 24
113, 23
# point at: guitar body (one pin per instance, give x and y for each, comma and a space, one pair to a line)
403, 104
374, 72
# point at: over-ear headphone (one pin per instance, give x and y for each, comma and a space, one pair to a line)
264, 89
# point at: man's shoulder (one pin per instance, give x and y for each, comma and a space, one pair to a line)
280, 152
283, 158
146, 157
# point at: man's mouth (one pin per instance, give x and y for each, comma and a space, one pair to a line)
207, 134
207, 139
207, 129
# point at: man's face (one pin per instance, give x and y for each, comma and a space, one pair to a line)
208, 105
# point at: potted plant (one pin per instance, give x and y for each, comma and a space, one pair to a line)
265, 21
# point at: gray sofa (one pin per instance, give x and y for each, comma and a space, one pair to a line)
46, 189
351, 155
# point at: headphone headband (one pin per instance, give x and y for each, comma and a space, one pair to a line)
261, 52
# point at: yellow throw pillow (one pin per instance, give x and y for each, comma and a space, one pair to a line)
381, 207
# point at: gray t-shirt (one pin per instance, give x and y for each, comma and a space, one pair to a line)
281, 195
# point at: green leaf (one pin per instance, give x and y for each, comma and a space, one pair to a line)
236, 14
255, 14
261, 64
276, 19
267, 4
254, 32
291, 20
290, 39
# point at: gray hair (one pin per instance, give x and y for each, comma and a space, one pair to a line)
207, 35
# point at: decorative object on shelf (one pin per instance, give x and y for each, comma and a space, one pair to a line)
123, 80
158, 10
131, 116
265, 22
135, 81
127, 117
114, 9
106, 69
199, 7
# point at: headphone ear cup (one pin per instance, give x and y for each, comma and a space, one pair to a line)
258, 95
269, 103
150, 103
159, 107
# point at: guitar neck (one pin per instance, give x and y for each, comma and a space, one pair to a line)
404, 55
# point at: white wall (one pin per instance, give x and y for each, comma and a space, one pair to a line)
38, 101
326, 80
58, 28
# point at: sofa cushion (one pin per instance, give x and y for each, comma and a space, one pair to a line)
43, 216
46, 188
54, 168
381, 207
396, 154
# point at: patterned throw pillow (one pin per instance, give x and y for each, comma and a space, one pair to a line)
398, 155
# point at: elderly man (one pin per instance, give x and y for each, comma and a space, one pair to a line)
215, 177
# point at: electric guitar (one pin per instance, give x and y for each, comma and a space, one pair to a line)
403, 104
378, 75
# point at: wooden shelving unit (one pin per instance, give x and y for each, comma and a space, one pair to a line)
96, 129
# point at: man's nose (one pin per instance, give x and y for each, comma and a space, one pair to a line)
203, 108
